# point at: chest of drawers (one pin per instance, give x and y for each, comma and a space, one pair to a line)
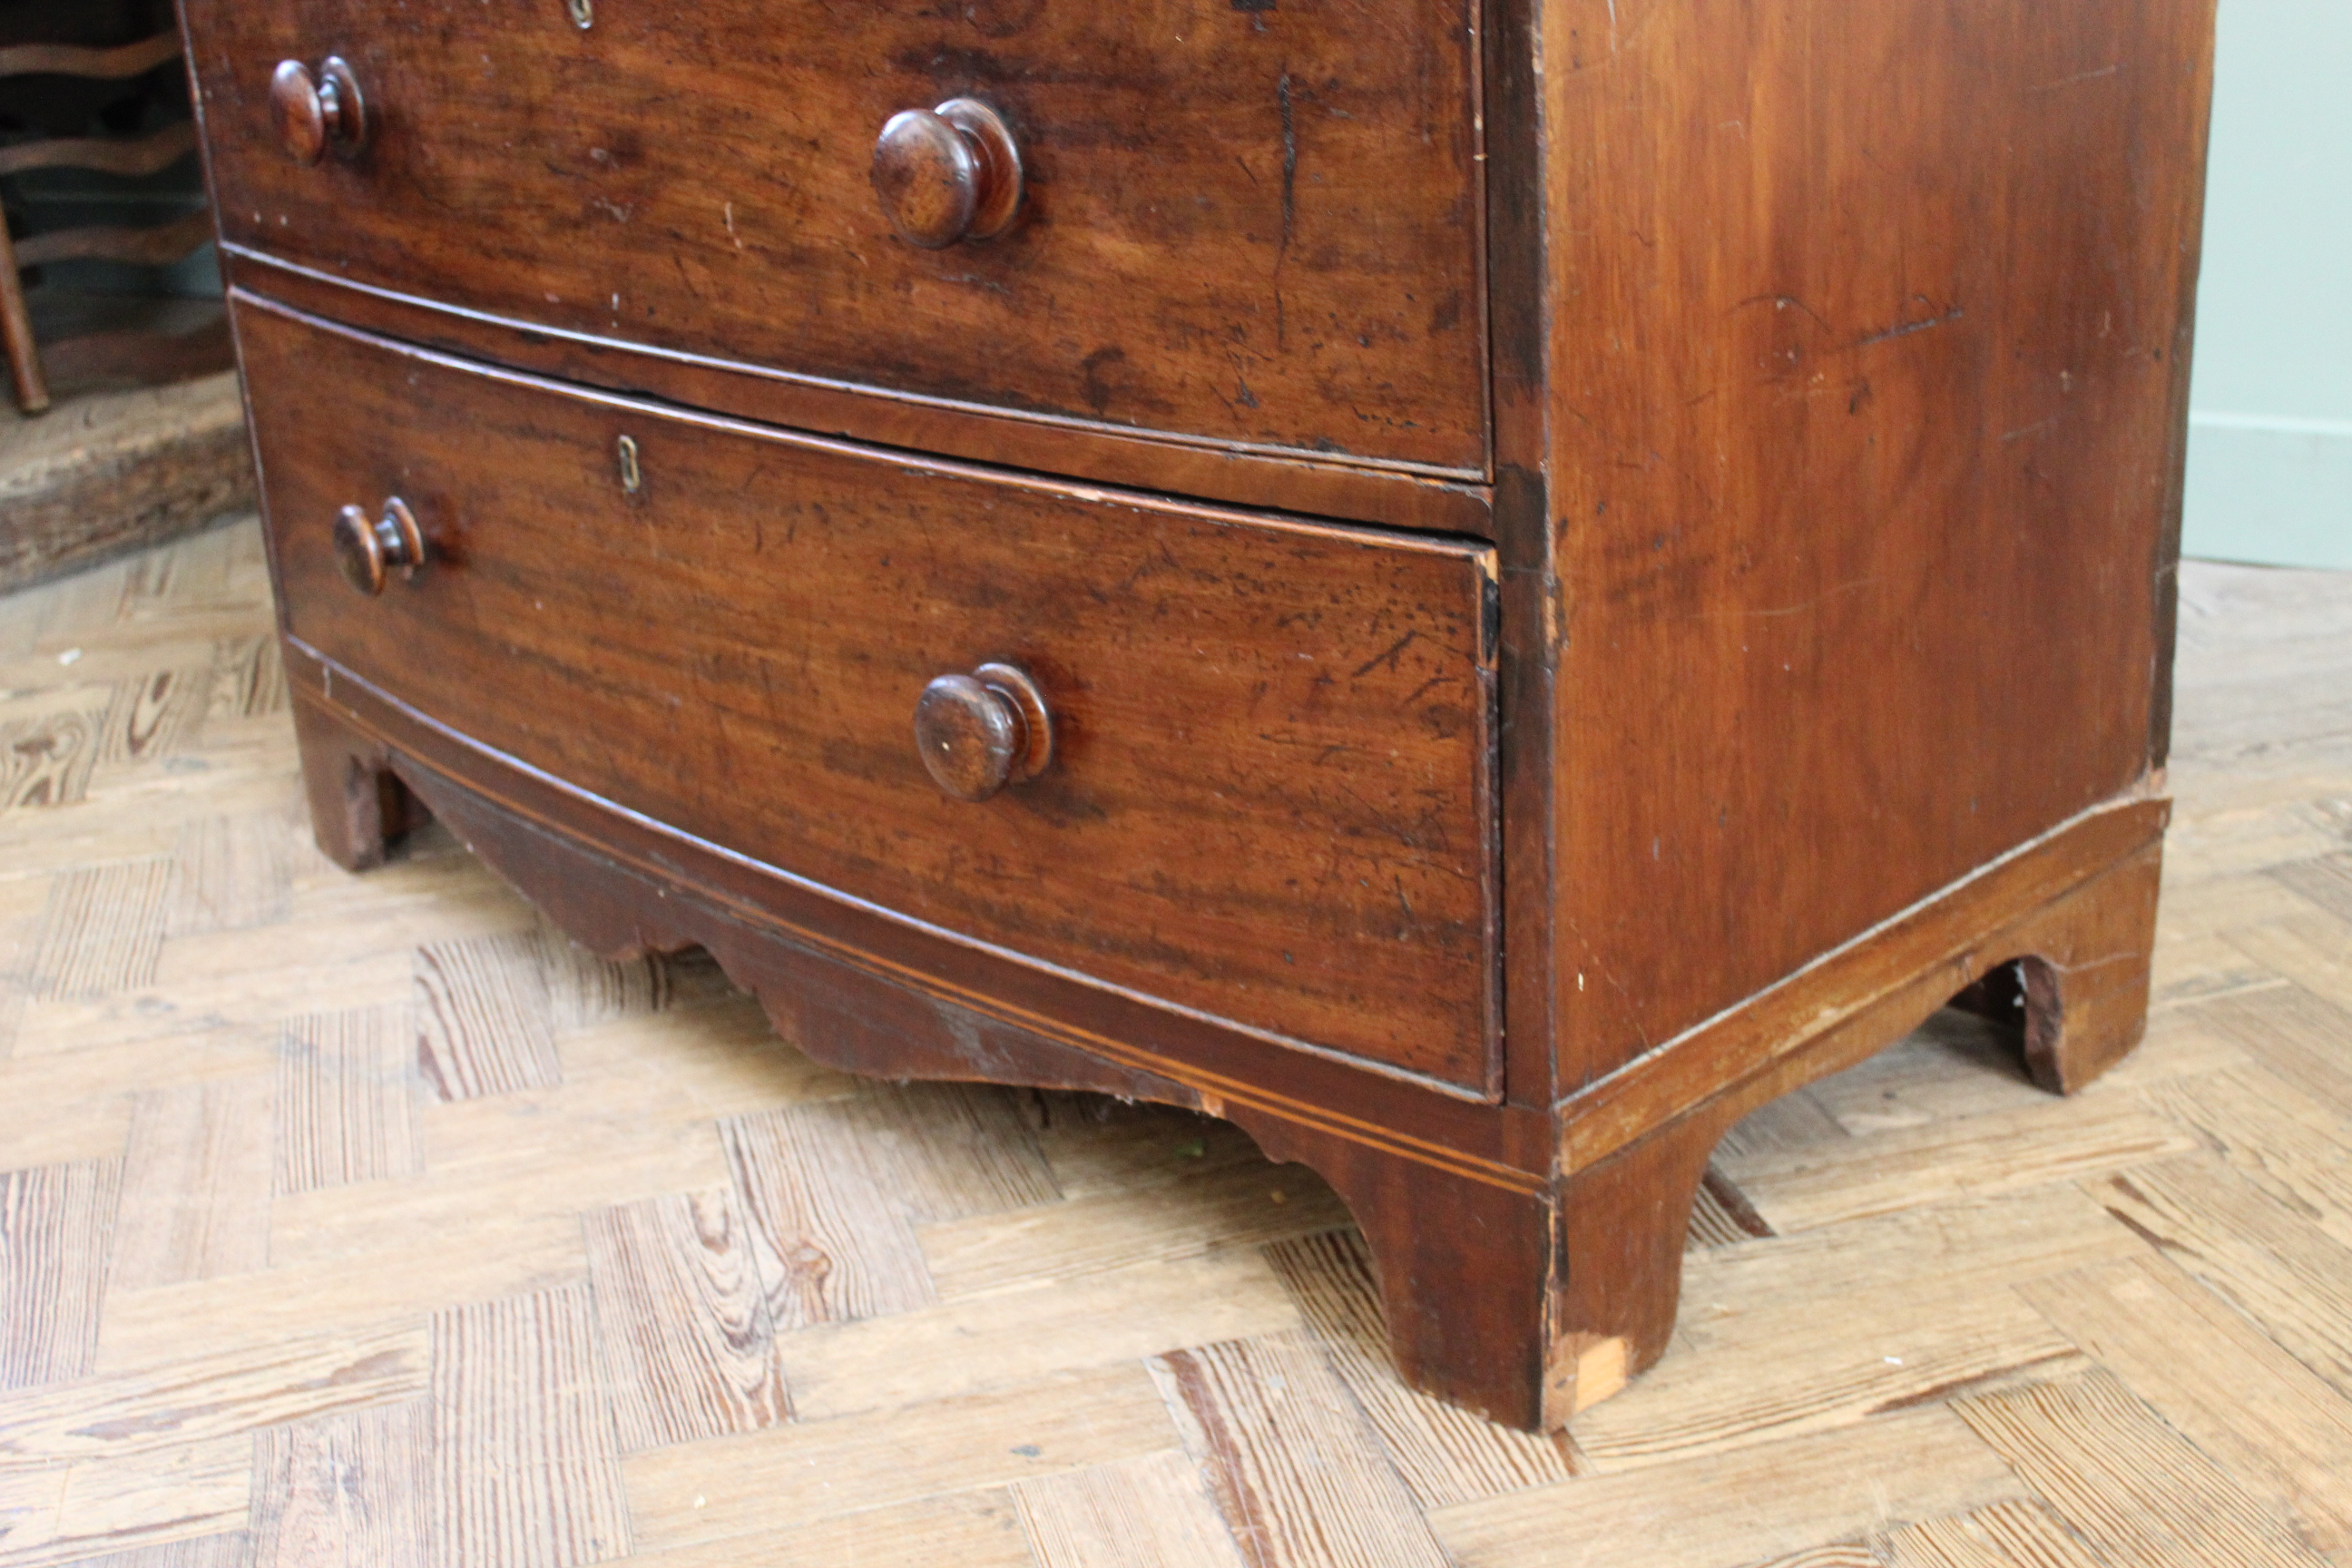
1480, 588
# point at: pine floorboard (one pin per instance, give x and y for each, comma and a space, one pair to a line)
368, 1221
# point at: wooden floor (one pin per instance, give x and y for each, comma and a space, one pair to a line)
360, 1220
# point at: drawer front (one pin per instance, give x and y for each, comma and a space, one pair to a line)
1268, 793
1247, 223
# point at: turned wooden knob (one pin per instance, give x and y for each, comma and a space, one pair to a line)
948, 174
315, 112
368, 551
980, 732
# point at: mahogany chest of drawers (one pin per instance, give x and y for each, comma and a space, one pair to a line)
1479, 587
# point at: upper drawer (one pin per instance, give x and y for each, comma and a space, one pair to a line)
1269, 793
1244, 223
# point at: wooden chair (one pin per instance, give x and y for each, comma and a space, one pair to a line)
158, 355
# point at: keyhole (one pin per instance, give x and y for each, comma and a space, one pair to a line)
584, 13
632, 479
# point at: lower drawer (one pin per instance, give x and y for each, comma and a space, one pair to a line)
1268, 797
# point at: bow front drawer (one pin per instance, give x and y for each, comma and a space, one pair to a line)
1246, 225
1236, 764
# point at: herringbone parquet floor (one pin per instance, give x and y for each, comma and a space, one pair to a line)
362, 1220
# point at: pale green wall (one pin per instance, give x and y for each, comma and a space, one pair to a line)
2270, 422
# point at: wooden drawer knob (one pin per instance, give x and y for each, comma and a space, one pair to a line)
980, 732
369, 551
948, 174
315, 112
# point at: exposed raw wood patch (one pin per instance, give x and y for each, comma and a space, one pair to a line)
482, 1017
1149, 1512
72, 1513
46, 760
1829, 1183
1299, 1477
1747, 1507
56, 1225
235, 873
2284, 1432
103, 930
832, 1245
184, 1401
683, 1319
345, 1098
2279, 1269
525, 1464
1445, 1454
2140, 1492
345, 1488
777, 1479
1243, 1206
2006, 1535
196, 1183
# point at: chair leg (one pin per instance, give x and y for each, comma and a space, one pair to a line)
16, 333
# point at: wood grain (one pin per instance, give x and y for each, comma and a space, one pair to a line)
911, 1443
46, 760
1150, 1513
104, 929
2006, 1535
830, 1247
1298, 712
346, 1089
1785, 408
774, 1480
2282, 1430
236, 872
132, 1506
107, 472
56, 1229
526, 1468
1242, 1207
1318, 168
347, 1489
2135, 1488
2267, 1261
1295, 1470
2297, 1035
682, 1372
196, 1183
1747, 1507
482, 1017
204, 1398
1826, 1183
1445, 1454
